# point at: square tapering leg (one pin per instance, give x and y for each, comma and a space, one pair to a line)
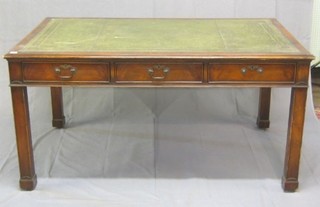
58, 119
294, 140
263, 120
28, 178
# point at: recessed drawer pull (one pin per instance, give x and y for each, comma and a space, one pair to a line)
65, 72
163, 69
252, 68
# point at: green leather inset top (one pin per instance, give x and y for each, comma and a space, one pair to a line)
160, 35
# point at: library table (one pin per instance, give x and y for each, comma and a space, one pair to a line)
101, 52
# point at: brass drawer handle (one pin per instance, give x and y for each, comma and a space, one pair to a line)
65, 69
257, 68
164, 70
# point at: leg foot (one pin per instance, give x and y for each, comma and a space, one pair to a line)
294, 139
289, 185
58, 123
263, 124
28, 178
28, 183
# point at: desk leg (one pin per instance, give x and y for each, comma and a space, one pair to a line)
263, 121
58, 119
28, 178
294, 140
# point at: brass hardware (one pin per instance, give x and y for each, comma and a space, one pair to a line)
59, 71
252, 68
260, 70
243, 70
165, 70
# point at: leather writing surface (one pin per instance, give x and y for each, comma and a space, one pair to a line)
160, 35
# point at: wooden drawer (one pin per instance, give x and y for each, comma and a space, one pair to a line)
158, 72
66, 72
252, 73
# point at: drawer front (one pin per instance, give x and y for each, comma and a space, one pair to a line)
252, 73
66, 72
158, 72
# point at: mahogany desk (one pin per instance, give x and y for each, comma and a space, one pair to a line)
159, 53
